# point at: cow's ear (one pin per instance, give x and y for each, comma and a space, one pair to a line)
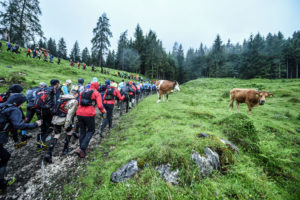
257, 95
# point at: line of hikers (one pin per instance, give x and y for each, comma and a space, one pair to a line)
72, 64
61, 108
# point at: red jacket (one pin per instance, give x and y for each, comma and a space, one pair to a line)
116, 94
89, 111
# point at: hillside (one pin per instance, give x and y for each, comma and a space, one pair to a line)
30, 72
266, 167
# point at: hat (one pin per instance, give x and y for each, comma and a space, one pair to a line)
68, 81
107, 82
95, 79
16, 99
15, 88
81, 80
43, 84
54, 82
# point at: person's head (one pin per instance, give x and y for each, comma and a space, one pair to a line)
16, 100
75, 93
95, 79
15, 88
43, 85
130, 82
81, 81
107, 82
54, 83
68, 82
123, 81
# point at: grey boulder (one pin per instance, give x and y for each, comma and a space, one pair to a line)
125, 172
207, 164
230, 144
168, 175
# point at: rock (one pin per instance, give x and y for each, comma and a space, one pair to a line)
125, 172
207, 165
205, 135
230, 144
213, 158
167, 175
8, 66
203, 163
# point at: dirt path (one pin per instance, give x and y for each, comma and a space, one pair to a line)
34, 179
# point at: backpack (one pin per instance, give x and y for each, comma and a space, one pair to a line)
31, 95
110, 93
59, 108
42, 99
3, 97
86, 98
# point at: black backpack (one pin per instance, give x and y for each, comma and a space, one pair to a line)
110, 94
86, 98
59, 108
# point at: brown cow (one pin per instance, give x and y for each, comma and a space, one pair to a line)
250, 97
165, 87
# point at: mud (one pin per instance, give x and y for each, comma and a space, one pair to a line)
36, 179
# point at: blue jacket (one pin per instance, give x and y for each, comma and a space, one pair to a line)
11, 117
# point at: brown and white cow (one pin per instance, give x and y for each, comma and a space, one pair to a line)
249, 96
165, 87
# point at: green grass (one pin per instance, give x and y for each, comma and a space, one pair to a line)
30, 72
167, 132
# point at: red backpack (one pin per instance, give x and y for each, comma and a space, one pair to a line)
42, 99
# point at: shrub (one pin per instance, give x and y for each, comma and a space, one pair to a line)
240, 130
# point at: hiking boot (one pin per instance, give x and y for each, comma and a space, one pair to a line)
48, 157
4, 183
20, 144
67, 150
80, 153
76, 135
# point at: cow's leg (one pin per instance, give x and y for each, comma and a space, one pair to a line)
163, 98
250, 110
237, 106
231, 104
167, 97
159, 97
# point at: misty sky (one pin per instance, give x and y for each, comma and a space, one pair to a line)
188, 22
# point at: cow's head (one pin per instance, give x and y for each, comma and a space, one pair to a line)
176, 86
262, 95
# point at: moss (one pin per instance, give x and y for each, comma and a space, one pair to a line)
240, 130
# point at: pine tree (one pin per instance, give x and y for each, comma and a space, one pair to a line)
139, 45
21, 20
111, 59
85, 56
62, 49
180, 60
51, 46
101, 37
123, 44
8, 19
75, 53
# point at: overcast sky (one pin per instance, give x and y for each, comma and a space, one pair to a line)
188, 22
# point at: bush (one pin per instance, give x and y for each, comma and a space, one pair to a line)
240, 130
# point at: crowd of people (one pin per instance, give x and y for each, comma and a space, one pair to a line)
62, 108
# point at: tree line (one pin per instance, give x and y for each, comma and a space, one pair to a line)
272, 56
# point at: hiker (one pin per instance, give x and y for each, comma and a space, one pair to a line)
44, 102
83, 66
66, 87
93, 67
78, 65
39, 54
34, 52
51, 58
28, 52
45, 56
14, 88
63, 115
79, 87
8, 46
110, 95
58, 60
15, 49
86, 116
10, 117
125, 92
132, 94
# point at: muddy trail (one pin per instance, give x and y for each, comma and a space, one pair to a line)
36, 179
